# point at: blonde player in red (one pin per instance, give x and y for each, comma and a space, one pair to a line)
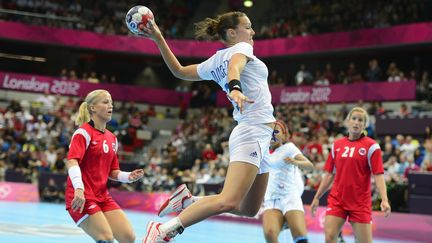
351, 162
92, 159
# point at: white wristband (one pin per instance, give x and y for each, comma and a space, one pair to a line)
75, 176
123, 177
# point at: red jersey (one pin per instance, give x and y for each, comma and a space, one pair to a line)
96, 153
353, 162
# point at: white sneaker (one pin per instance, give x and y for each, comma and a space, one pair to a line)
180, 199
154, 235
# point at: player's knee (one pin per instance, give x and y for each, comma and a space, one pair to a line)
271, 234
105, 237
128, 237
227, 204
330, 236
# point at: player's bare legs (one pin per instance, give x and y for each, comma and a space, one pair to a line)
239, 180
254, 197
121, 227
97, 227
363, 232
332, 227
272, 225
297, 223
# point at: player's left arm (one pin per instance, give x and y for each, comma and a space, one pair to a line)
126, 177
382, 189
376, 163
235, 68
301, 161
122, 176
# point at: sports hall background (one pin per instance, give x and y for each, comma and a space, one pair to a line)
324, 57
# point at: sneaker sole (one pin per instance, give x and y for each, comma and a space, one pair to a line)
176, 192
149, 225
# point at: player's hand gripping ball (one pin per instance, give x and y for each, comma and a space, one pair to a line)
138, 18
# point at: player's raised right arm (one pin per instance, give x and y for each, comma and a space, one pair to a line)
183, 72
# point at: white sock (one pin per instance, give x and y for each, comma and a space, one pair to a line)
172, 225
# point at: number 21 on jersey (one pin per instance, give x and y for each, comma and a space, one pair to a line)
348, 152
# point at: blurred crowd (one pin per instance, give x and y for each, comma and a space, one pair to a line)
104, 17
305, 17
310, 17
35, 137
356, 73
329, 73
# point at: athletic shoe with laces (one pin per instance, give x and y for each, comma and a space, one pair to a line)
155, 235
180, 199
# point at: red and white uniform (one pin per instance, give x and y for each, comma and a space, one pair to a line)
96, 153
352, 163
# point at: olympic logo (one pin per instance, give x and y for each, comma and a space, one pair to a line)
5, 190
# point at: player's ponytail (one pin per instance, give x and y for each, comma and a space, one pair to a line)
83, 114
215, 29
207, 29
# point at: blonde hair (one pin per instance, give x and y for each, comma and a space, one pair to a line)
215, 29
361, 110
84, 112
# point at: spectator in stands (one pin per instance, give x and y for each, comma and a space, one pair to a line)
92, 159
150, 112
51, 193
208, 154
398, 141
2, 169
409, 146
320, 79
303, 76
411, 166
93, 78
247, 175
64, 74
392, 69
328, 74
373, 74
403, 110
73, 75
353, 75
47, 100
392, 168
394, 76
424, 88
343, 201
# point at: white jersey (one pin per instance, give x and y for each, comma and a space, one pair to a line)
253, 80
284, 178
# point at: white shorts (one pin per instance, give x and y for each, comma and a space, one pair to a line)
285, 204
250, 143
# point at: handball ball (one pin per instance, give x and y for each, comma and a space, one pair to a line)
138, 18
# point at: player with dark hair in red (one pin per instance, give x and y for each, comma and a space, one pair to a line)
92, 159
350, 164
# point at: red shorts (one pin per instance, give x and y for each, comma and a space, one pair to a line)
356, 216
92, 207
